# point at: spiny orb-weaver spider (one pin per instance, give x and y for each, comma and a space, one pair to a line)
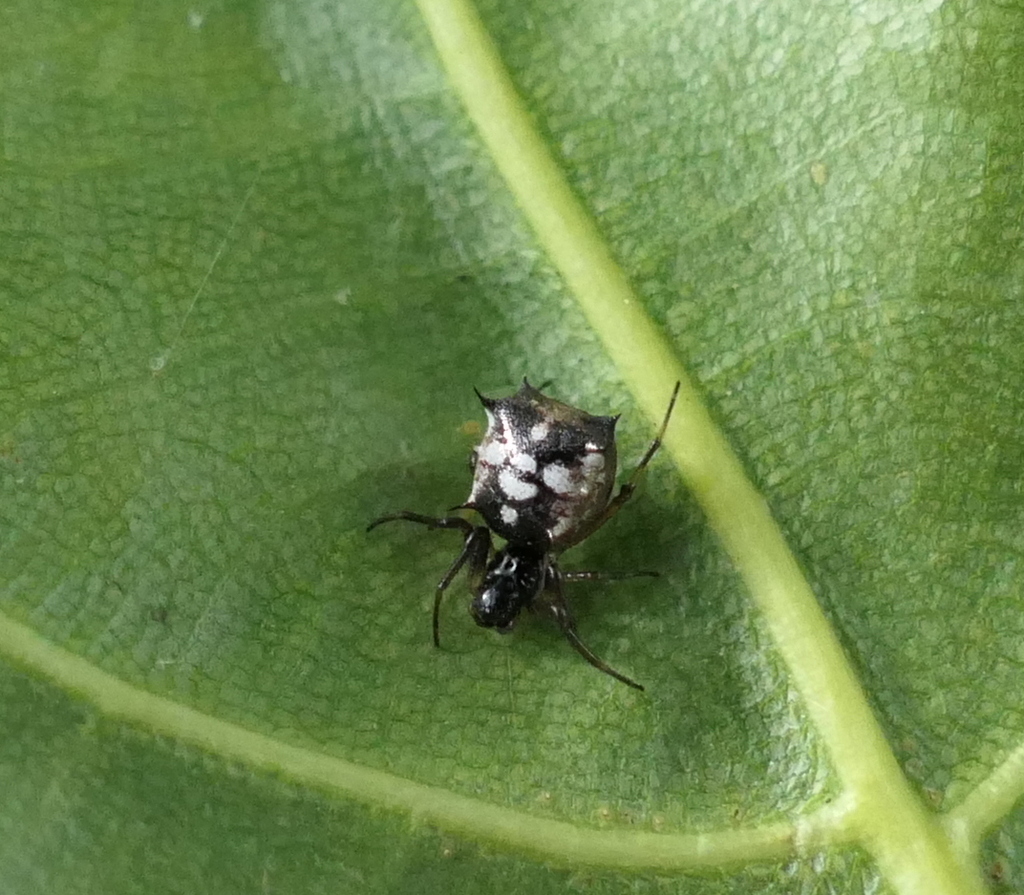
542, 479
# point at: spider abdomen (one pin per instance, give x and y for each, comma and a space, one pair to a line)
544, 470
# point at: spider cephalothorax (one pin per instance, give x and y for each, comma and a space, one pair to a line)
542, 479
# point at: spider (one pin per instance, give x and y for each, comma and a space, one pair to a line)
542, 480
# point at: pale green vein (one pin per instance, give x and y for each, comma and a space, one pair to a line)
554, 841
909, 843
988, 802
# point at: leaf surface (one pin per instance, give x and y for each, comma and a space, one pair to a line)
255, 259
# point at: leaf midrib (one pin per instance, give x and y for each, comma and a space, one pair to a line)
909, 844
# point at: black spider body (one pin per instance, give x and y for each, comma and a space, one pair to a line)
544, 471
543, 477
512, 580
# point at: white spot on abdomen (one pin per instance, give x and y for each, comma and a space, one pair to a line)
514, 488
539, 431
509, 515
522, 462
560, 527
494, 453
559, 479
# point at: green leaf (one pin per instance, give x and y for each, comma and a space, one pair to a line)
255, 257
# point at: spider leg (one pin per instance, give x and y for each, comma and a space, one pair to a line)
556, 607
464, 525
581, 575
629, 486
475, 548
